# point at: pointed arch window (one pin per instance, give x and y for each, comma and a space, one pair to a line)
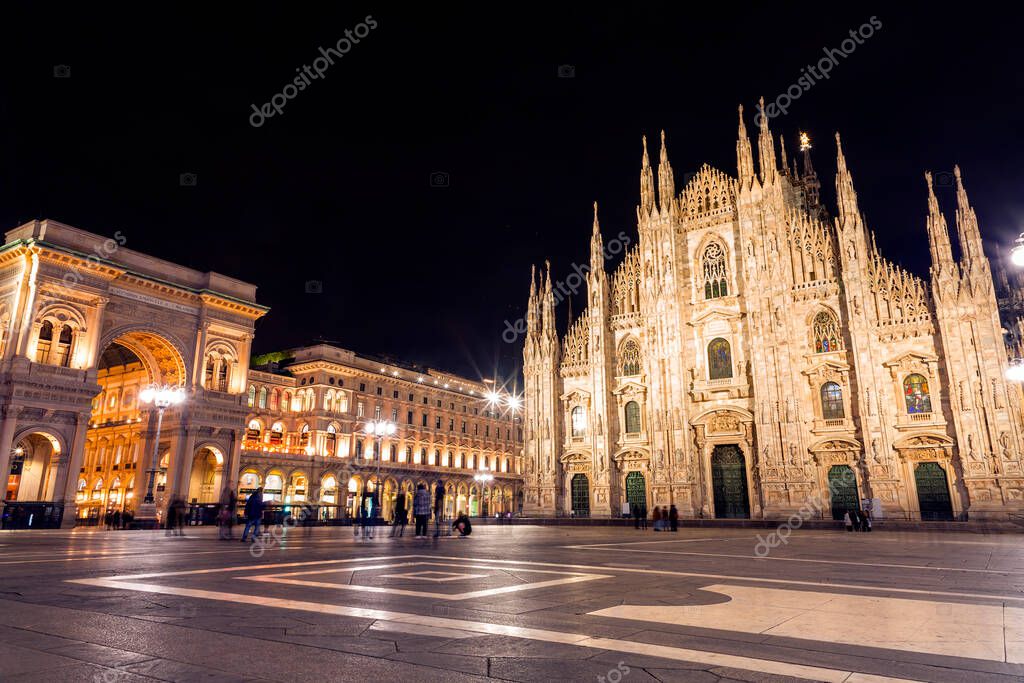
252, 396
629, 359
825, 331
915, 391
832, 401
713, 269
632, 417
719, 359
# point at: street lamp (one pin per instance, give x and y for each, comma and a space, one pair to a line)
161, 397
379, 429
1017, 253
1015, 371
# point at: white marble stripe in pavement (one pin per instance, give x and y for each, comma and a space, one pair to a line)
634, 570
799, 559
577, 639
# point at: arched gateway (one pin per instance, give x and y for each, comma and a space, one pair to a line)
100, 322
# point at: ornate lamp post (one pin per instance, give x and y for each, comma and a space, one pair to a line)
161, 397
484, 478
379, 429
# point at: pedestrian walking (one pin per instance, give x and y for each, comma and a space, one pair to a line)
673, 518
657, 518
438, 507
117, 520
182, 516
367, 512
401, 515
253, 514
226, 515
421, 510
643, 516
634, 510
866, 525
171, 526
847, 521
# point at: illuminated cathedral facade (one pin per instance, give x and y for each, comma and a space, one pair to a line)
755, 356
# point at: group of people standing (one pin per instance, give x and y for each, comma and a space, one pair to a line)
115, 519
421, 511
857, 519
665, 519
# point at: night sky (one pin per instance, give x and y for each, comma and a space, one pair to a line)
337, 189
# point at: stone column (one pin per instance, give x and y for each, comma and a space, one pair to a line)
65, 485
181, 462
9, 415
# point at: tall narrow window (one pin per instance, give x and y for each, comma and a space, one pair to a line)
579, 421
222, 375
825, 330
915, 391
832, 401
714, 272
632, 417
332, 440
719, 359
252, 396
64, 346
629, 359
263, 398
45, 340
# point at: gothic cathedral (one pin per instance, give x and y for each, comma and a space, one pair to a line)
754, 357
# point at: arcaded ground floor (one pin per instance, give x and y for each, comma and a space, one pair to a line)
520, 603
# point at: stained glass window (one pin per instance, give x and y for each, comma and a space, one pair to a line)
629, 359
714, 272
719, 359
832, 401
825, 330
915, 391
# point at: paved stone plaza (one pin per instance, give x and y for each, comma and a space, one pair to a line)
518, 603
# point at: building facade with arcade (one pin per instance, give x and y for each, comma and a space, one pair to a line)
87, 324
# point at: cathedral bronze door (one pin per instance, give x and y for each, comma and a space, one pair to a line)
580, 495
636, 491
933, 492
729, 483
842, 488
